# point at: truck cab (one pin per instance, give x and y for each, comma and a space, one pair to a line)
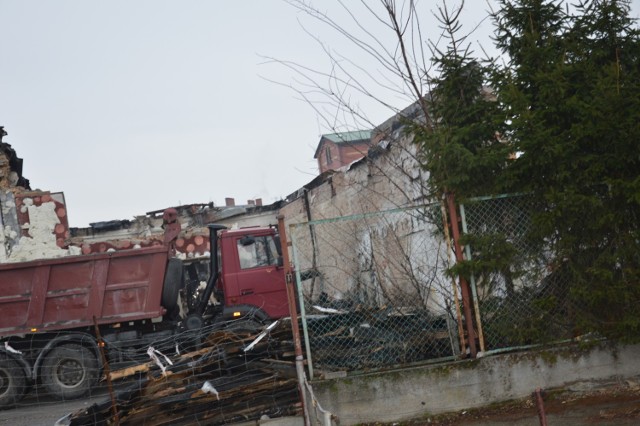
251, 278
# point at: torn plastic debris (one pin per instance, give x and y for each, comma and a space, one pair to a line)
261, 336
152, 354
207, 387
9, 349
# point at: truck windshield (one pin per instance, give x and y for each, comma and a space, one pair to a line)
261, 252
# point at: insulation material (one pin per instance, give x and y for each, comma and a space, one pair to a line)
26, 199
40, 240
3, 249
9, 227
85, 247
34, 227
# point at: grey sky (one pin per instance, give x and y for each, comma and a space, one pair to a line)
133, 106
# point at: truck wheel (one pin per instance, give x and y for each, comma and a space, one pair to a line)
13, 382
69, 371
172, 284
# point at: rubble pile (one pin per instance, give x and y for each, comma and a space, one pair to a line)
235, 376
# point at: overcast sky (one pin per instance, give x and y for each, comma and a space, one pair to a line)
133, 106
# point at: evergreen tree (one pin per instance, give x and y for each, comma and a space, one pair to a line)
571, 94
461, 146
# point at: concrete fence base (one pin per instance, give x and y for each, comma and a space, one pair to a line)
413, 392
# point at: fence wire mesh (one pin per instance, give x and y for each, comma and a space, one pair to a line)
523, 299
374, 289
215, 375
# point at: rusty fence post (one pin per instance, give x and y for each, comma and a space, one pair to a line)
464, 285
539, 396
107, 372
456, 299
293, 311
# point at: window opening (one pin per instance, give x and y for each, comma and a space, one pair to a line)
327, 152
260, 252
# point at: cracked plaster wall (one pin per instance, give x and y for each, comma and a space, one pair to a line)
372, 259
37, 238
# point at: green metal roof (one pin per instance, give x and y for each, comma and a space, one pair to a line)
343, 137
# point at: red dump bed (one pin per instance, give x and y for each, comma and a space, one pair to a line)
63, 293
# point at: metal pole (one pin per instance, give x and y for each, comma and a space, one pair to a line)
107, 372
542, 416
293, 311
303, 312
464, 286
474, 291
456, 299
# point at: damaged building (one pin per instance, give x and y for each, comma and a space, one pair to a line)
367, 257
35, 224
10, 166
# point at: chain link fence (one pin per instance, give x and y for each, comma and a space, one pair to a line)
374, 290
523, 296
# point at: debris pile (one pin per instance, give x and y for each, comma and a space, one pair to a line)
237, 375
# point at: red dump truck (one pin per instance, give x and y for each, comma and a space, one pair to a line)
53, 312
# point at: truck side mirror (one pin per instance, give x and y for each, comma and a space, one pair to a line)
280, 262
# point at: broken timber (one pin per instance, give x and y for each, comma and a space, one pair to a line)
220, 383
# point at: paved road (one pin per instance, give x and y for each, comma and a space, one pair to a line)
37, 410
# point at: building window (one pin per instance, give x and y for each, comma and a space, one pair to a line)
327, 153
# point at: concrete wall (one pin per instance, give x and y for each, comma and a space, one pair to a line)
413, 392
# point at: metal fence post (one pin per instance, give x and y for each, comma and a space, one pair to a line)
466, 297
293, 311
456, 299
474, 290
303, 311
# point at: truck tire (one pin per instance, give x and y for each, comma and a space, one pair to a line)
69, 371
13, 383
172, 284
